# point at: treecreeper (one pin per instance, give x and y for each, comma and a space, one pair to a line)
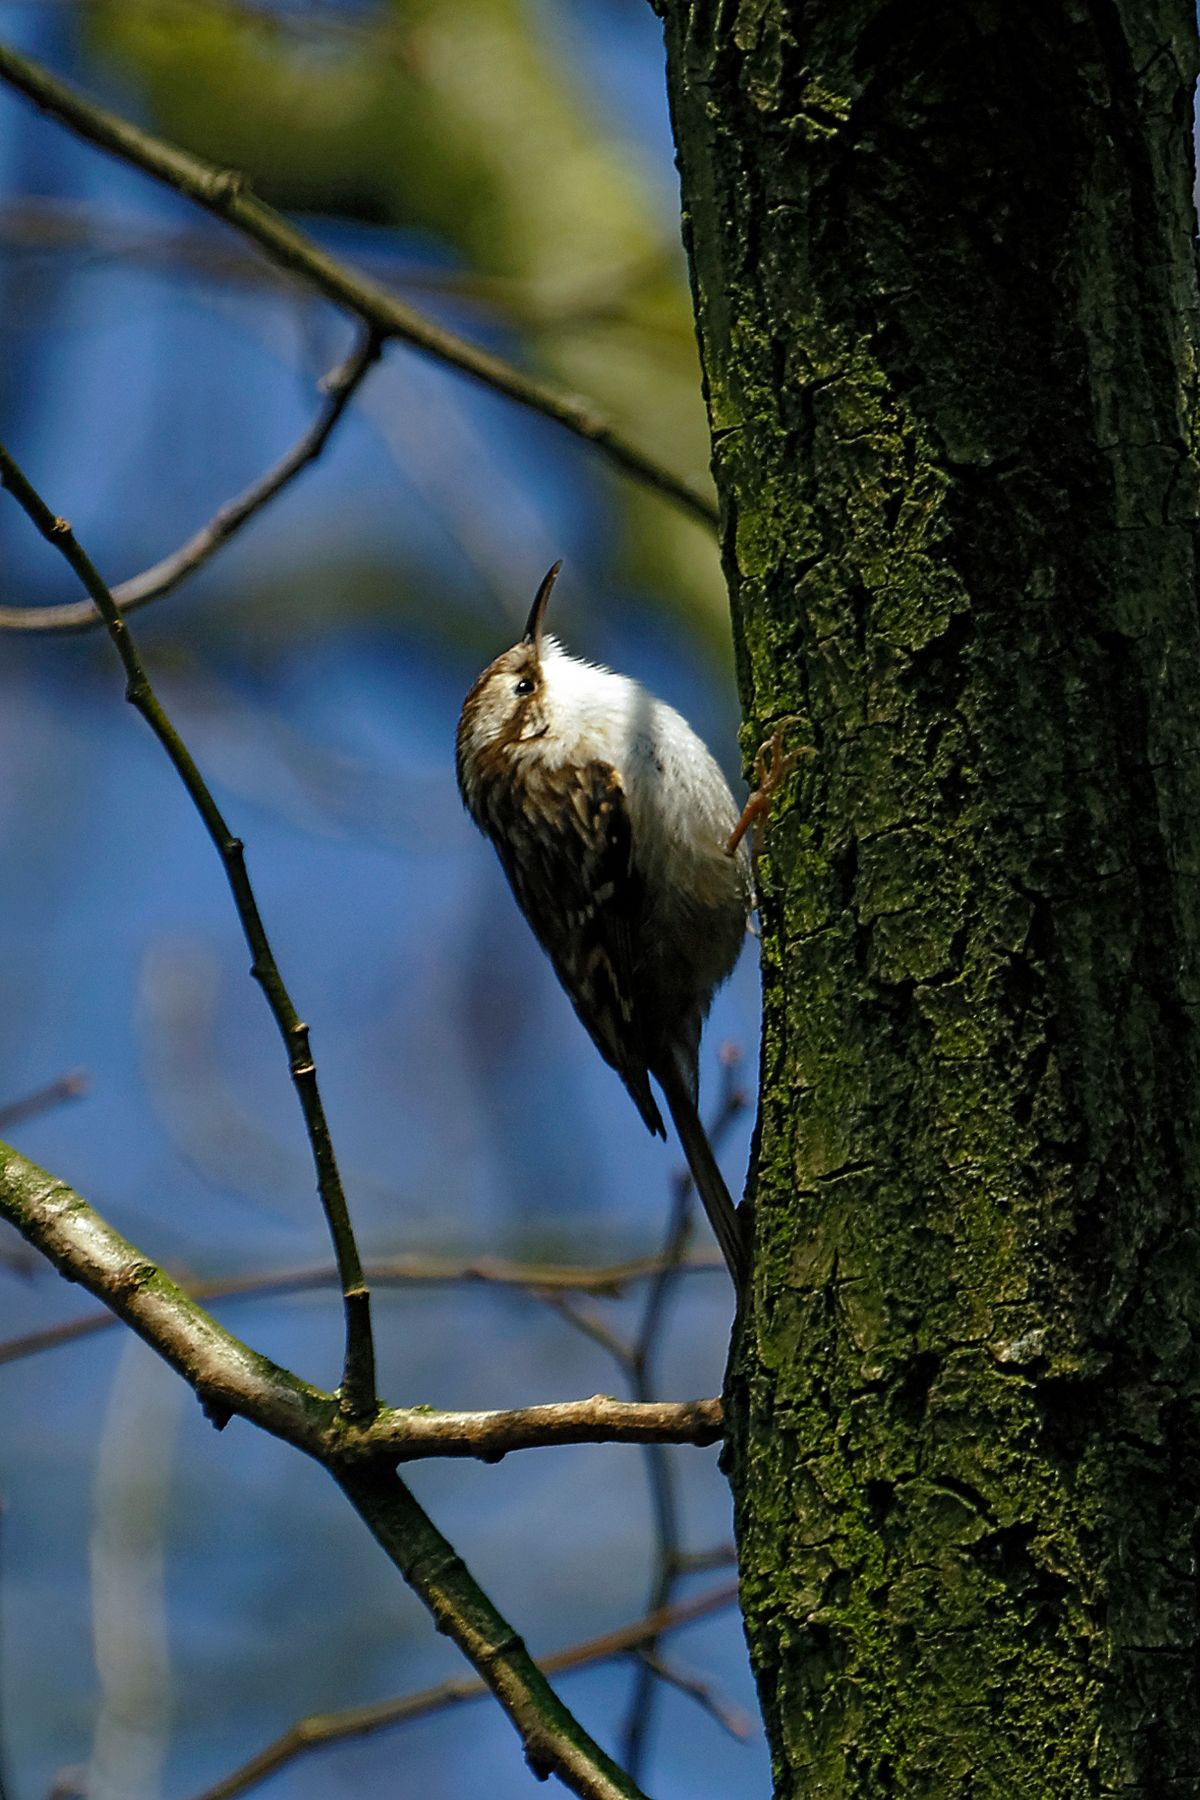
628, 855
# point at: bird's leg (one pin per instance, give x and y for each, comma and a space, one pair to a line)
771, 764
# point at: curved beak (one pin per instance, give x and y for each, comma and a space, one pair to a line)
537, 612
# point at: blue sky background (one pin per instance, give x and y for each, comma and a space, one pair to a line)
219, 1580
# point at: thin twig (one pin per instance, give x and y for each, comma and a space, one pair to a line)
358, 1375
735, 1720
664, 1497
226, 194
591, 1327
664, 1500
543, 1280
339, 387
697, 1562
36, 224
635, 1361
32, 1106
319, 1730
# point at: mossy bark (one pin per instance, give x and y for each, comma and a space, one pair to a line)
943, 268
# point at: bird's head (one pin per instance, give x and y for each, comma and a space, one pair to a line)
506, 706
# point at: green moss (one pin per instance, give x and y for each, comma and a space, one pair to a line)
963, 1444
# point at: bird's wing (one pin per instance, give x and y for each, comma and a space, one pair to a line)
567, 850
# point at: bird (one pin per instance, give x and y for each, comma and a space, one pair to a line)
627, 853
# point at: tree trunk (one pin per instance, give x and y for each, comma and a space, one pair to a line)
943, 266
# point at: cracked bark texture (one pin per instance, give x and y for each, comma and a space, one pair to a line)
943, 266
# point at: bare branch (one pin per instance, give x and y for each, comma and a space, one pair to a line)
339, 387
358, 1376
227, 1376
592, 1327
664, 1497
232, 1379
226, 194
606, 1280
544, 1280
696, 1562
39, 223
600, 1420
31, 1106
322, 1729
735, 1720
554, 1742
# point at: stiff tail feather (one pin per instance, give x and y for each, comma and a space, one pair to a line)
710, 1183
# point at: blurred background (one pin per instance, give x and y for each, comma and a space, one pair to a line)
171, 1600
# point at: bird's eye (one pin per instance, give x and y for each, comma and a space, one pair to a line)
524, 686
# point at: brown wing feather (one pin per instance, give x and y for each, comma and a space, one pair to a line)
575, 880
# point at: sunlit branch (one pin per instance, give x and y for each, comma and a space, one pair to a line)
229, 1378
554, 1742
319, 1730
358, 1379
339, 387
226, 194
600, 1420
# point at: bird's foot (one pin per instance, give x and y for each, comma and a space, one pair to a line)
771, 765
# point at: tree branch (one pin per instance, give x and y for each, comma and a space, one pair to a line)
733, 1719
31, 1106
600, 1420
554, 1742
544, 1280
589, 1326
230, 1378
339, 387
226, 1375
358, 1376
321, 1729
225, 193
664, 1495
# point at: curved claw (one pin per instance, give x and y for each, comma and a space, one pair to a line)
772, 764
